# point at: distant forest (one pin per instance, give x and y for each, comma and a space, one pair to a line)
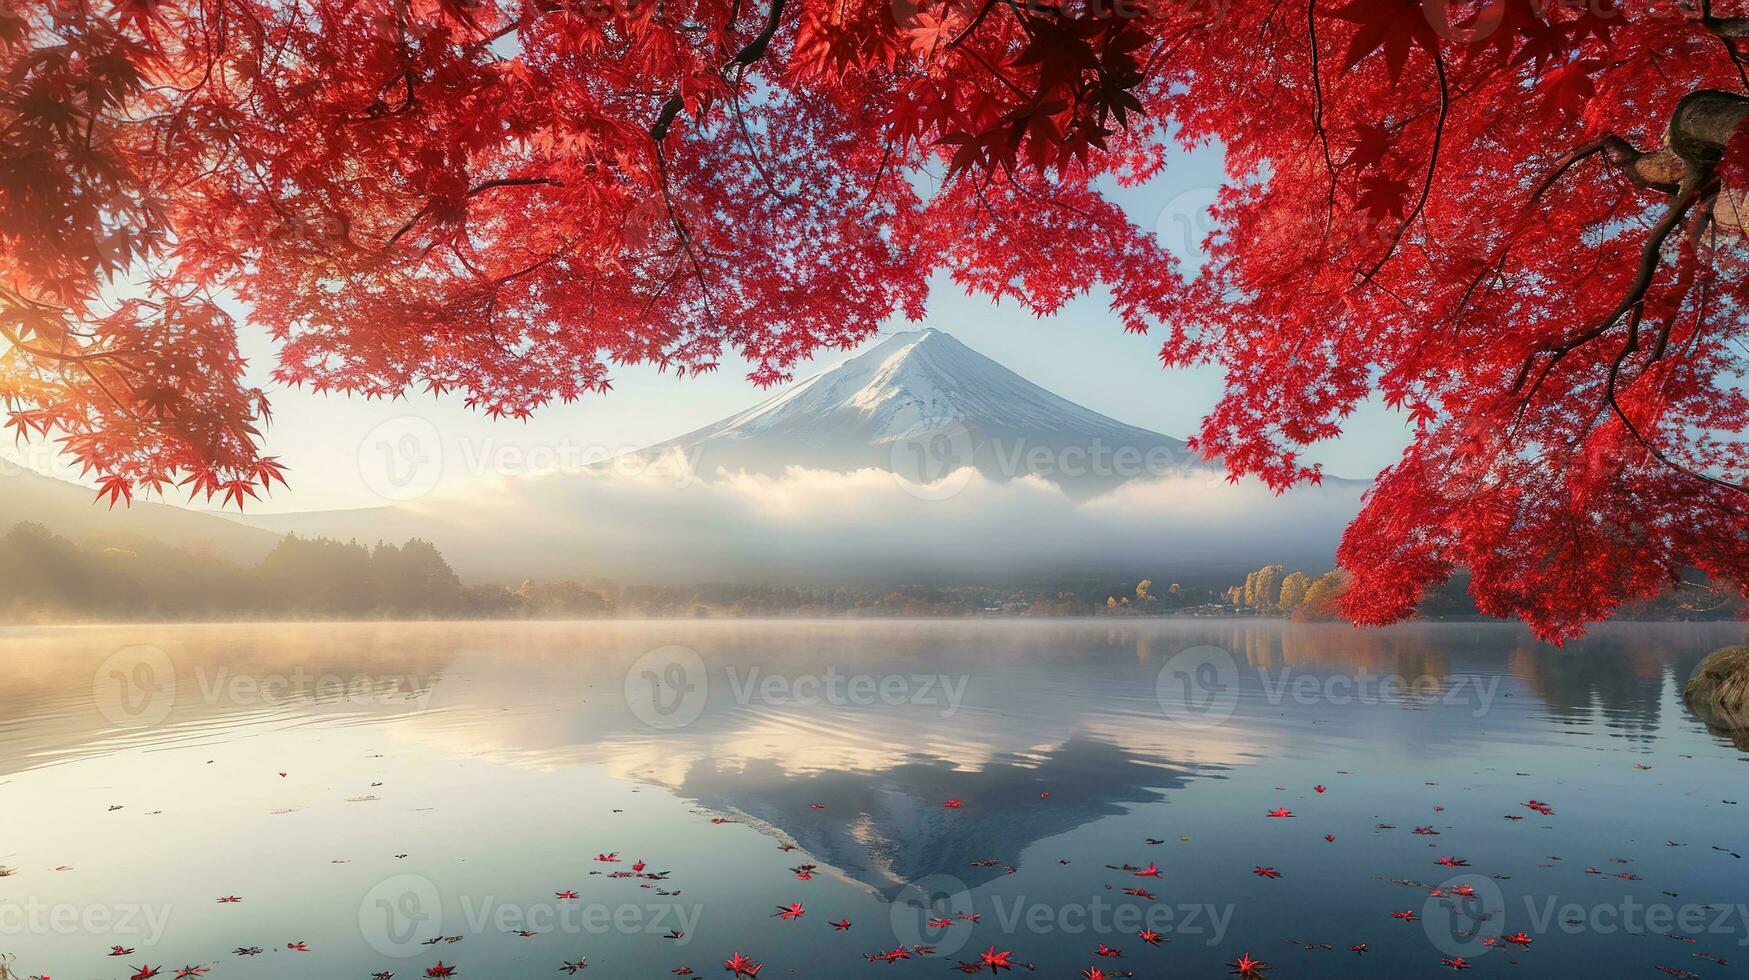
1274, 591
52, 579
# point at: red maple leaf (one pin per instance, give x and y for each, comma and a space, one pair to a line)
1383, 196
1392, 26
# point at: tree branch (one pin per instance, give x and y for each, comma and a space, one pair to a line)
1432, 164
13, 339
1318, 114
1660, 170
1704, 123
476, 189
749, 54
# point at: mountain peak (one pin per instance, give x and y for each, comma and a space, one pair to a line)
904, 345
909, 336
923, 397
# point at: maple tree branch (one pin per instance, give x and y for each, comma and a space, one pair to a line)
1731, 28
880, 173
685, 236
1660, 170
755, 48
1651, 256
748, 55
50, 355
117, 402
1318, 114
1631, 304
1629, 347
1000, 76
1698, 221
665, 119
1700, 127
1694, 190
983, 12
493, 38
472, 191
514, 182
1432, 165
753, 152
1697, 226
1703, 123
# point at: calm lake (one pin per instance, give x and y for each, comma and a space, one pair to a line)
380, 798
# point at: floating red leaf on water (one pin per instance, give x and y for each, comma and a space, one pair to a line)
741, 965
995, 961
1248, 966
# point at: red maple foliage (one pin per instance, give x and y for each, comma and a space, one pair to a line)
1522, 221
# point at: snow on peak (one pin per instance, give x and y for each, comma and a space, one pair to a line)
908, 386
923, 380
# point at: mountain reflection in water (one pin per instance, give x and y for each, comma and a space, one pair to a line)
304, 767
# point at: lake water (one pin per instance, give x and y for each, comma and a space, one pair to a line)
362, 789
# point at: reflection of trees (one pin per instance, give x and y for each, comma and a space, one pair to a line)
1620, 674
1315, 647
889, 828
1616, 676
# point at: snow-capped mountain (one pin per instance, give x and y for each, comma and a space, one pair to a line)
921, 405
912, 461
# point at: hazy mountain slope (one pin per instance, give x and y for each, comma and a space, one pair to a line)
73, 512
367, 525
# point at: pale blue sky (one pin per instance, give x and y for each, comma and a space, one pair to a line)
1081, 354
